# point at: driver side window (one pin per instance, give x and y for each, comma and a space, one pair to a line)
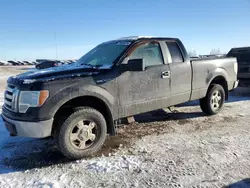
150, 52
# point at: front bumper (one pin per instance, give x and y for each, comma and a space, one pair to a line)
39, 129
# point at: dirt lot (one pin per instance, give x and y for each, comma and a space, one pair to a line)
181, 149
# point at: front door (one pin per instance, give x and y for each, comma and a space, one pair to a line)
146, 90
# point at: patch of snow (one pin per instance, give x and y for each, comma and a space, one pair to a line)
1, 103
43, 184
3, 136
114, 165
4, 77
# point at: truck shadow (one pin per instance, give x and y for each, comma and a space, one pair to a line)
231, 99
161, 115
239, 94
27, 154
245, 183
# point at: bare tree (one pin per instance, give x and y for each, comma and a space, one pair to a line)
192, 53
215, 51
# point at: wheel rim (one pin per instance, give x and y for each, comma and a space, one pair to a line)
83, 134
216, 100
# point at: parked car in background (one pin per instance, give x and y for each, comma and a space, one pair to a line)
243, 57
48, 64
13, 63
3, 63
6, 63
28, 62
23, 63
20, 63
80, 104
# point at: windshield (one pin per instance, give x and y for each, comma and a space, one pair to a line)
104, 54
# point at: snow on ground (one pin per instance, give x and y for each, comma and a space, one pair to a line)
1, 98
182, 149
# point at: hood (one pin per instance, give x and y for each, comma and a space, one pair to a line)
64, 71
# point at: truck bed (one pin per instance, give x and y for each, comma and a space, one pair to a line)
205, 69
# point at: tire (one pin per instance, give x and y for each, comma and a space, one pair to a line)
71, 136
207, 104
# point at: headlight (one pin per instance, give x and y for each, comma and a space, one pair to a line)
31, 99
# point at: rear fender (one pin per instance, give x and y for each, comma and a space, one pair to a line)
218, 72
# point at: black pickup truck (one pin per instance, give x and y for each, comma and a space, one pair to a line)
79, 104
243, 58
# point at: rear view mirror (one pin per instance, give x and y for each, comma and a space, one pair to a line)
134, 65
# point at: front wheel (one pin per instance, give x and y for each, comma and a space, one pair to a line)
82, 134
214, 100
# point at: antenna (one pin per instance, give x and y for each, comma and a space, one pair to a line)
56, 45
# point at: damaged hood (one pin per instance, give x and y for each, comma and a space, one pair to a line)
61, 72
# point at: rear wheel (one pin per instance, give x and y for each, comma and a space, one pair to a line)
82, 133
214, 100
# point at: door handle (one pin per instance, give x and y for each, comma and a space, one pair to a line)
165, 74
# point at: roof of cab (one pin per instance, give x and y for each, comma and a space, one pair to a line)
133, 38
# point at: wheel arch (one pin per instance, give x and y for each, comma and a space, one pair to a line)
221, 80
218, 76
89, 95
87, 101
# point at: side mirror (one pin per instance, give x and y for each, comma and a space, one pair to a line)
134, 65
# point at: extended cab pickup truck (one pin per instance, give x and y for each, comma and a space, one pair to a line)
79, 104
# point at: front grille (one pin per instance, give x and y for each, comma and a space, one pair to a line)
10, 98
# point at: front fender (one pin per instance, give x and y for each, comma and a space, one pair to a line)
75, 90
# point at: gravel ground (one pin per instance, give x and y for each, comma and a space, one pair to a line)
181, 149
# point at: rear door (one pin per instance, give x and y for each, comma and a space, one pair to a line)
181, 73
145, 90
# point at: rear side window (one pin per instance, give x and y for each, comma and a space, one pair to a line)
175, 52
150, 52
